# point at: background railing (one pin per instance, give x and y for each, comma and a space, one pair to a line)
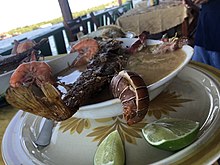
61, 34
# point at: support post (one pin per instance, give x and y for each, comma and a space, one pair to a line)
65, 9
67, 18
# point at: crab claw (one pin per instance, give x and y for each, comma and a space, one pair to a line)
131, 89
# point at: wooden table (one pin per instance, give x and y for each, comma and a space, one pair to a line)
6, 114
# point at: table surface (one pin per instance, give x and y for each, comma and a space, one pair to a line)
7, 112
154, 19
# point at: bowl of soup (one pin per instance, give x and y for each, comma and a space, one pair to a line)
157, 70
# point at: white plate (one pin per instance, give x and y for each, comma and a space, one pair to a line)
193, 94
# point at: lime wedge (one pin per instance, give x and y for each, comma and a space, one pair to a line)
110, 151
170, 133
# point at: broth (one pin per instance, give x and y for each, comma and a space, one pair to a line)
153, 67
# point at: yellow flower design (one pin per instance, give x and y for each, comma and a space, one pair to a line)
75, 125
128, 133
164, 103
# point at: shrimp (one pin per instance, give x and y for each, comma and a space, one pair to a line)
31, 72
86, 48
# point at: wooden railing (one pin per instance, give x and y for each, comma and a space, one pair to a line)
85, 24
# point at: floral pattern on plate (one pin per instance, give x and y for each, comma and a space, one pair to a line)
167, 101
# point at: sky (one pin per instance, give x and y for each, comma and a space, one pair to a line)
19, 13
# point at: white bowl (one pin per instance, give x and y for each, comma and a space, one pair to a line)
104, 109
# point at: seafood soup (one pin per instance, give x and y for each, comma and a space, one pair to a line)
105, 70
153, 67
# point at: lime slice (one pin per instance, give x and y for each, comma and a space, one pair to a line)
110, 151
170, 133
